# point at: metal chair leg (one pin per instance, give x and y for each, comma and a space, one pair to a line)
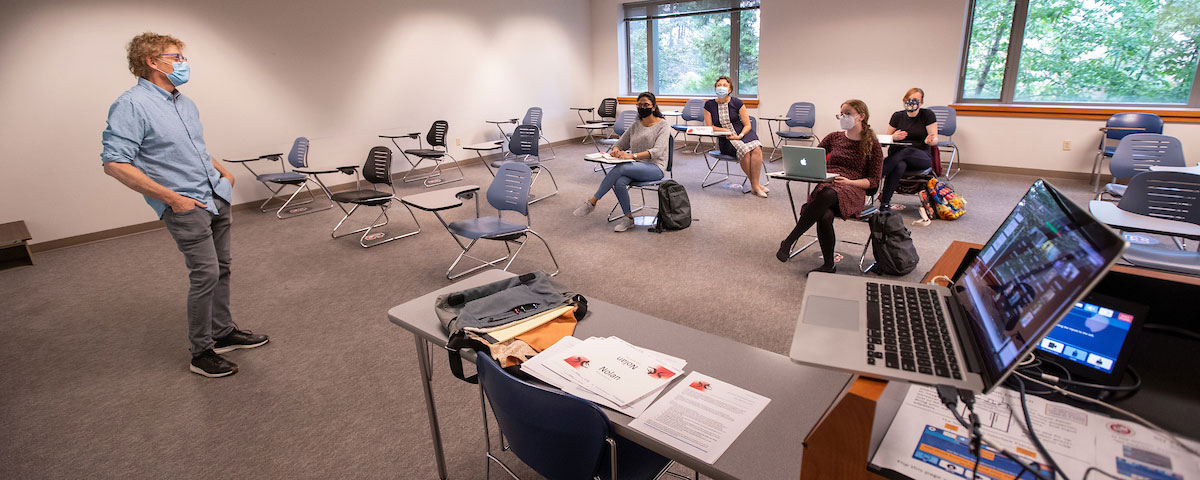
551, 252
548, 144
311, 198
534, 181
431, 180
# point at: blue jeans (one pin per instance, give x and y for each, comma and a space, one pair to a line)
619, 178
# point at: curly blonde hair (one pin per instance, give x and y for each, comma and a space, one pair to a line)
148, 44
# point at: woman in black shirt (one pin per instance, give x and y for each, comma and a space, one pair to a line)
917, 128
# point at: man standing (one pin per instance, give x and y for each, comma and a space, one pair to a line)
154, 144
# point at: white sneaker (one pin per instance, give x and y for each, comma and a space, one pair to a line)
625, 223
585, 209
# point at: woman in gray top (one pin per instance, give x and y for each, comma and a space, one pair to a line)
648, 139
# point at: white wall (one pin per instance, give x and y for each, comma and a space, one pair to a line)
827, 51
264, 73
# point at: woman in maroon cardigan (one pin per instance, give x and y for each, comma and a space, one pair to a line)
855, 155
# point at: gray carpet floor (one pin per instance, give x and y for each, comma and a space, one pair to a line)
94, 352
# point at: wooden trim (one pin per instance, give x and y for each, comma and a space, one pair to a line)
1033, 172
1171, 115
241, 207
680, 101
838, 446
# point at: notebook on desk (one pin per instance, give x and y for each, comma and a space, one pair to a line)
1042, 259
606, 158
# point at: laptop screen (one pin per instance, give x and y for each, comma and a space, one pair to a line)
1042, 259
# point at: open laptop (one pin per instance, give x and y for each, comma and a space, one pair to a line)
806, 163
1043, 259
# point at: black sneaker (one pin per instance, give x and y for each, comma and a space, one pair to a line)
211, 365
238, 339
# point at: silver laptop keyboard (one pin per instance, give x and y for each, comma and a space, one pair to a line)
907, 330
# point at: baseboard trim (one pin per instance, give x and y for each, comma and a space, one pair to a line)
1033, 172
240, 207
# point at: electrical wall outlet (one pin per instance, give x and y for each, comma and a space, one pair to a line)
1066, 145
458, 143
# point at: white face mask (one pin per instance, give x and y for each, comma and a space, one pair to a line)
722, 92
847, 122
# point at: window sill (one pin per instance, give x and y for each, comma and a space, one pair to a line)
1170, 115
680, 101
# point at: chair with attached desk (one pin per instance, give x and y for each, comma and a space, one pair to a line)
556, 434
802, 115
1164, 203
693, 111
298, 177
651, 186
715, 158
436, 138
509, 191
624, 119
947, 121
533, 116
376, 171
523, 146
1116, 128
607, 113
1137, 153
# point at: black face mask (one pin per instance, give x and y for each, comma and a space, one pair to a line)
645, 112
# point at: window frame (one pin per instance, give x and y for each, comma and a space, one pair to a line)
735, 25
1012, 60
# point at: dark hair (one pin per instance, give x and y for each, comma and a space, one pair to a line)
653, 101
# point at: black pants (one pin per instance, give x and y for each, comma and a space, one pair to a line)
821, 209
896, 164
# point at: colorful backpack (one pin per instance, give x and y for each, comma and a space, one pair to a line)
939, 197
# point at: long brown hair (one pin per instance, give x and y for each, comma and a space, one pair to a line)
867, 143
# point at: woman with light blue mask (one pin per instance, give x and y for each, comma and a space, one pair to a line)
727, 113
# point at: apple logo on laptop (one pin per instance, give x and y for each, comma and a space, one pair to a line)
804, 162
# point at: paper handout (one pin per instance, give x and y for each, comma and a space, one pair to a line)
701, 416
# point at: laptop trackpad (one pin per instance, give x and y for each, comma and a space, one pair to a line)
831, 312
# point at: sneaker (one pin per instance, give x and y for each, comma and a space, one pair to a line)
238, 339
625, 223
584, 209
211, 365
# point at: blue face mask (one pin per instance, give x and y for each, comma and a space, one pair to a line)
180, 74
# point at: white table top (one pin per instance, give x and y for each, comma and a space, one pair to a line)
443, 199
583, 108
592, 126
1109, 213
1192, 169
713, 134
511, 120
776, 119
672, 113
770, 448
492, 145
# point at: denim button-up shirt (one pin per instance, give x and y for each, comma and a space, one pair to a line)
159, 133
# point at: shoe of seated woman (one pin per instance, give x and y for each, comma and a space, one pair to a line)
584, 209
623, 224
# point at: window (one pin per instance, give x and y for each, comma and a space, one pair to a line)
680, 48
1082, 52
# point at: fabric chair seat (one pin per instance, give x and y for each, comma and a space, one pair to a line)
283, 177
791, 134
1163, 259
651, 183
425, 153
1115, 189
721, 156
363, 197
1109, 213
474, 228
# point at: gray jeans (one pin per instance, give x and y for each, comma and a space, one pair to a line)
204, 240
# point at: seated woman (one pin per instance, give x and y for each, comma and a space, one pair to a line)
648, 139
855, 156
917, 127
728, 114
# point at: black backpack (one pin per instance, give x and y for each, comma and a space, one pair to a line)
674, 208
892, 245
